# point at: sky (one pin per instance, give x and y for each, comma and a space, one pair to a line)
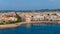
29, 4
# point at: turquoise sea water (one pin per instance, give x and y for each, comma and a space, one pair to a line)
34, 29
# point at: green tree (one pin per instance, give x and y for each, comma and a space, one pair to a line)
18, 17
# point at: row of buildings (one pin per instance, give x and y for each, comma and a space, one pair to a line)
44, 16
31, 16
5, 17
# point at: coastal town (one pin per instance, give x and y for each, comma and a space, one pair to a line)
41, 17
31, 16
14, 19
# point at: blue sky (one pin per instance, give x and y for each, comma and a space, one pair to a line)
29, 4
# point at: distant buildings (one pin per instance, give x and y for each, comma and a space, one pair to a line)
7, 17
37, 17
45, 16
31, 16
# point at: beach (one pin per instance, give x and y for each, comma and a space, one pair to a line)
11, 25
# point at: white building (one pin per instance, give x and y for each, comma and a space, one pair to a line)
38, 17
12, 18
58, 14
53, 17
28, 18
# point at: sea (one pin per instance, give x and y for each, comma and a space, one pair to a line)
33, 29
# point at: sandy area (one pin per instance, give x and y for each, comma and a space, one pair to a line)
11, 25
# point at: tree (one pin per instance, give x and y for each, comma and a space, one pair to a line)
18, 17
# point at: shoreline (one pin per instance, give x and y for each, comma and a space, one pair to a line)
11, 25
21, 23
